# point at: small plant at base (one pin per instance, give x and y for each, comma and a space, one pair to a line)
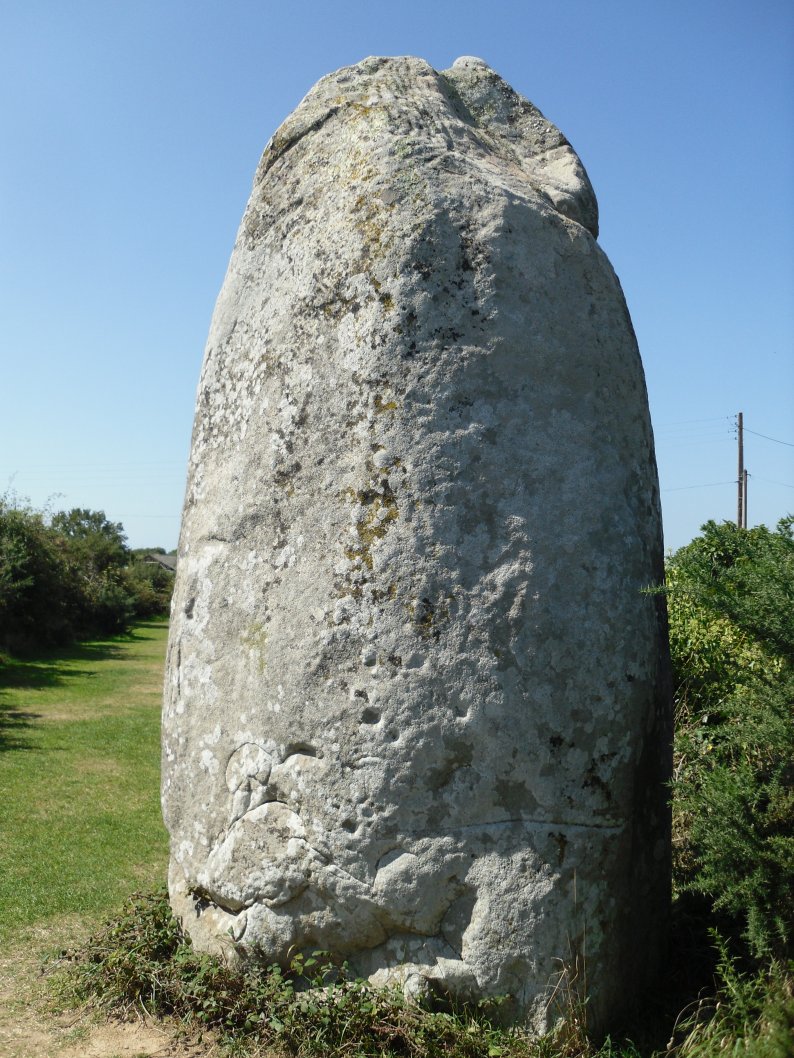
569, 999
142, 962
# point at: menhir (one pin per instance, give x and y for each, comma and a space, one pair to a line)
417, 709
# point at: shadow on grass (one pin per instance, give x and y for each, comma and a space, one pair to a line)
46, 669
13, 724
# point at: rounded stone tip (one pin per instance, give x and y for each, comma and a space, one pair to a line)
470, 60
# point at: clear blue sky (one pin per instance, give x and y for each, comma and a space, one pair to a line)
130, 133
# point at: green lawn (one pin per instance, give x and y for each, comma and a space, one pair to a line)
80, 824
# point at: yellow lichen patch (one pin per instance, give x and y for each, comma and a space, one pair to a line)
254, 639
370, 217
384, 297
380, 510
382, 405
362, 109
358, 166
372, 230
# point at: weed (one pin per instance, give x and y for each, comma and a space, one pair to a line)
141, 962
750, 1015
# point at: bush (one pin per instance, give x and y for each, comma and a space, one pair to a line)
731, 604
40, 593
751, 1015
150, 586
70, 577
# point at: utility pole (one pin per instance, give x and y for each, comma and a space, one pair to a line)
744, 498
741, 487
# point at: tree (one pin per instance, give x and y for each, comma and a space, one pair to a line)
95, 549
101, 543
150, 585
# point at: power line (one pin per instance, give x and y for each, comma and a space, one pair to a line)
698, 431
706, 485
669, 443
767, 438
96, 466
785, 484
685, 422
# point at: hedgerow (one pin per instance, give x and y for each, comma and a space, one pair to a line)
68, 576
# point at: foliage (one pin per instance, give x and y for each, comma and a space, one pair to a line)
96, 551
751, 1015
739, 796
142, 961
102, 542
69, 577
40, 597
150, 587
731, 604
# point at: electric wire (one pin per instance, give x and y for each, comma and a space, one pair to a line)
705, 485
686, 422
770, 481
766, 437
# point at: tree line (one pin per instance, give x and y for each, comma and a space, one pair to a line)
69, 576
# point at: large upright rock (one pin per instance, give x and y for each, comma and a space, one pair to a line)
416, 709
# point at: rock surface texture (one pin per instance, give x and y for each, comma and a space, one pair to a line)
416, 704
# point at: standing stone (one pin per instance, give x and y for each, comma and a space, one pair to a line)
416, 710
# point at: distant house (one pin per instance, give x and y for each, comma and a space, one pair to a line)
166, 561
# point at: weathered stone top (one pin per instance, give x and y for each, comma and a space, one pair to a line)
468, 108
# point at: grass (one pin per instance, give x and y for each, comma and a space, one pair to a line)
79, 778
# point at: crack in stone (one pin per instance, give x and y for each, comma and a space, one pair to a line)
279, 146
524, 820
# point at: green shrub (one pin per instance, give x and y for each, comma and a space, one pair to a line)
70, 577
750, 1015
40, 593
731, 605
739, 796
150, 586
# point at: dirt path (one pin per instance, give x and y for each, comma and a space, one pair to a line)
31, 1028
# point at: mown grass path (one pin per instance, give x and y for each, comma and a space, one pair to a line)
80, 824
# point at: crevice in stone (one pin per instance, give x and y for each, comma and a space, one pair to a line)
280, 145
302, 749
526, 821
203, 898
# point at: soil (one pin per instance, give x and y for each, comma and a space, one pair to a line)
31, 1026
